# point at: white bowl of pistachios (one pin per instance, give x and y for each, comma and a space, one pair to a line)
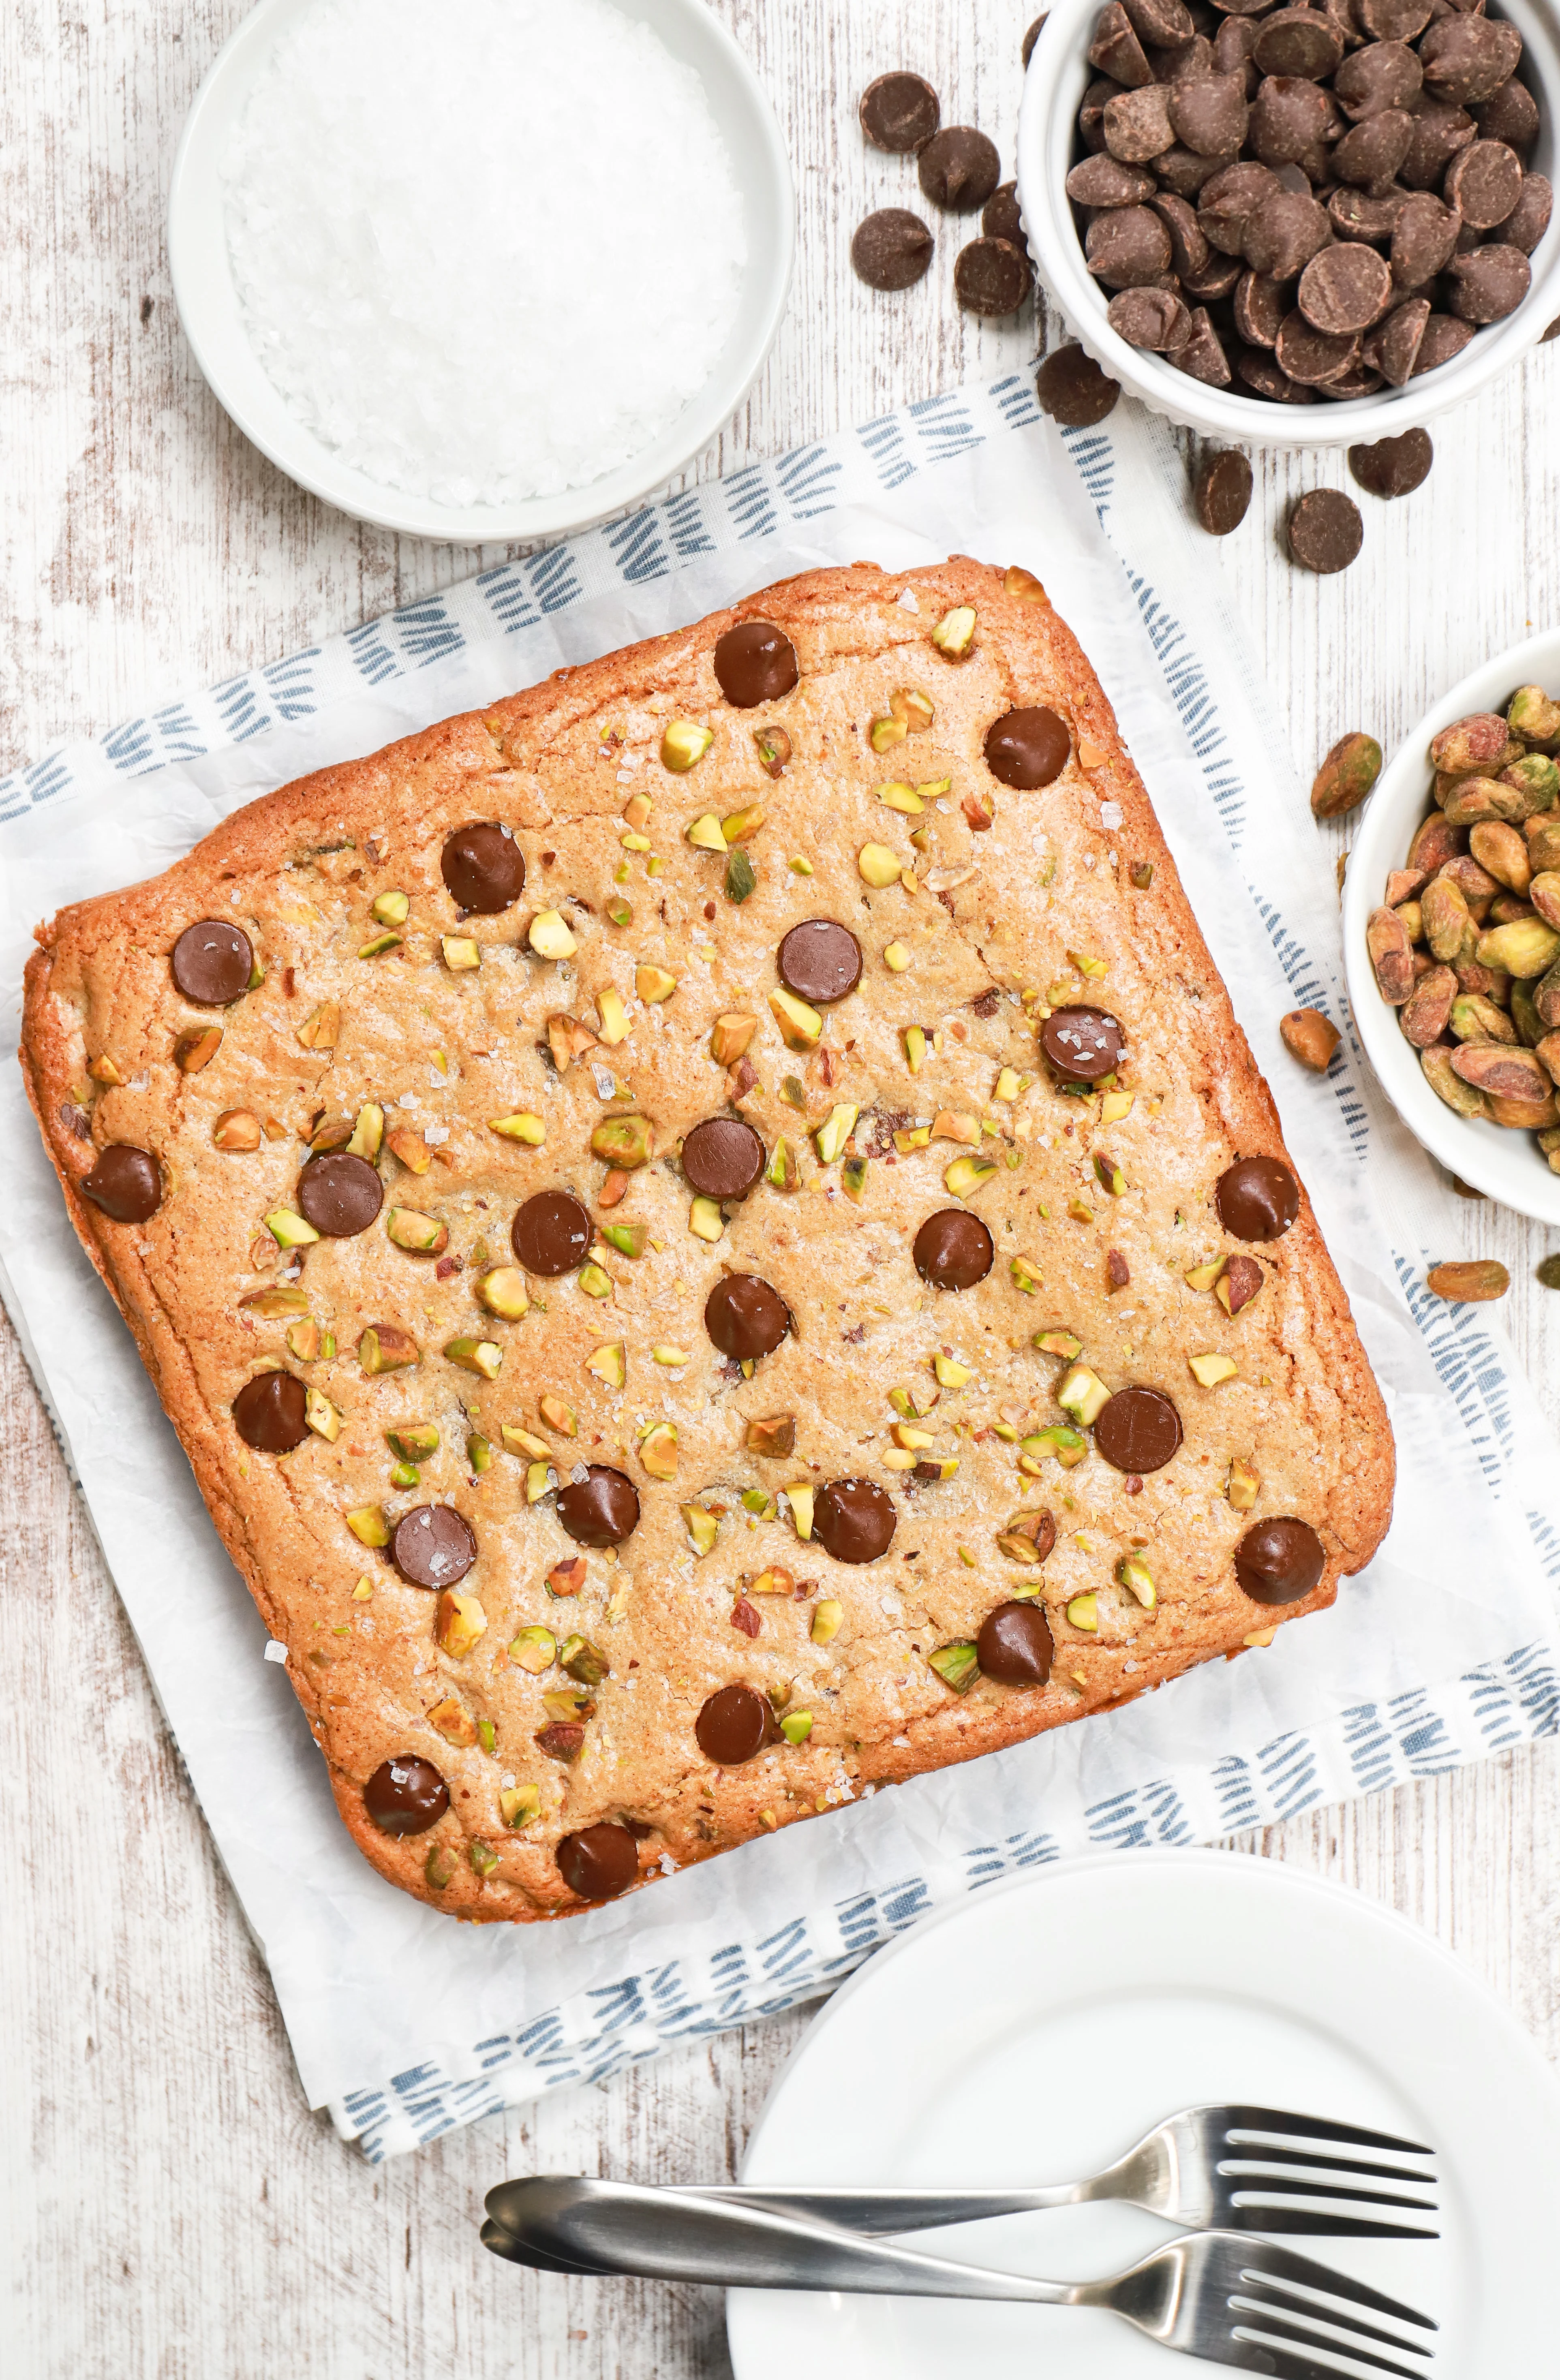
1505, 1159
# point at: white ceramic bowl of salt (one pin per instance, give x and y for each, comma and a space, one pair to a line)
312, 433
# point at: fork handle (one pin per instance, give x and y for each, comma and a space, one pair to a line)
870, 2211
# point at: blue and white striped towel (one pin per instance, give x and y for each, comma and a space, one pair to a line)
407, 2024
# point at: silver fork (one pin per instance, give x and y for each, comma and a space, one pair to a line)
1221, 2168
1214, 2294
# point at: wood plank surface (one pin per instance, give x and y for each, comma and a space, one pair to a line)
172, 2210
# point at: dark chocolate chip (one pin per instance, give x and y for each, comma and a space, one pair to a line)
1483, 183
1283, 234
1138, 126
755, 663
1258, 1198
891, 249
599, 1509
1229, 198
1260, 372
1261, 304
125, 1182
1189, 251
1383, 75
734, 1725
1439, 132
1137, 1430
1073, 390
1156, 318
268, 1413
1371, 155
483, 868
1279, 1560
992, 277
1488, 284
432, 1545
1082, 1044
1201, 356
1002, 218
1529, 219
340, 1195
1358, 214
1343, 290
854, 1520
1510, 113
1127, 248
1326, 533
1027, 748
1184, 172
820, 960
1393, 347
1297, 41
1360, 380
746, 1317
550, 1235
1223, 492
1105, 182
1116, 50
1394, 20
1288, 116
898, 111
1169, 23
953, 1249
1091, 112
959, 168
1425, 235
1014, 1645
1393, 466
1210, 116
723, 1157
1234, 46
405, 1795
212, 960
1032, 36
1445, 337
598, 1862
1466, 58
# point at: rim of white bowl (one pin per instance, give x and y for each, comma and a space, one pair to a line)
1507, 1165
1058, 73
209, 309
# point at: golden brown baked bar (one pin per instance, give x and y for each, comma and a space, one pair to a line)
711, 1237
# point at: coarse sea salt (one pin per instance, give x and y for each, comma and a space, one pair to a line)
484, 250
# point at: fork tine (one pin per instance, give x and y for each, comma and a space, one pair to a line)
1305, 2327
1255, 2153
1281, 2363
1312, 2127
1303, 2277
1291, 2220
1281, 2187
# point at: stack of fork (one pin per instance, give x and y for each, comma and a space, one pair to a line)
1226, 2174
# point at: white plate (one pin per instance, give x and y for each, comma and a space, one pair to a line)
1033, 2032
1504, 1163
213, 323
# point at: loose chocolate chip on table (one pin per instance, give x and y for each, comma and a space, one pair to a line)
1223, 492
1423, 239
1279, 1560
1138, 126
1445, 337
1297, 41
755, 663
212, 960
483, 868
1466, 58
1002, 218
953, 1249
959, 168
599, 1509
1032, 36
125, 1182
1014, 1645
1288, 116
1261, 304
268, 1413
1393, 346
1529, 219
1209, 118
1483, 182
1393, 466
1127, 248
992, 277
820, 960
723, 1157
1189, 251
340, 1195
1082, 1044
1488, 284
1258, 1198
1106, 182
1027, 748
1137, 1430
550, 1233
1345, 288
405, 1795
1073, 390
1325, 531
599, 1862
734, 1725
1284, 233
854, 1520
891, 249
898, 111
1370, 154
1150, 318
746, 1317
1510, 113
1314, 357
432, 1545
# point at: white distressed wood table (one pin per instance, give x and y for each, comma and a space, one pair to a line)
172, 2208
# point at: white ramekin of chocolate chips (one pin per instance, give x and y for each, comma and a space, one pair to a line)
1299, 225
1452, 922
